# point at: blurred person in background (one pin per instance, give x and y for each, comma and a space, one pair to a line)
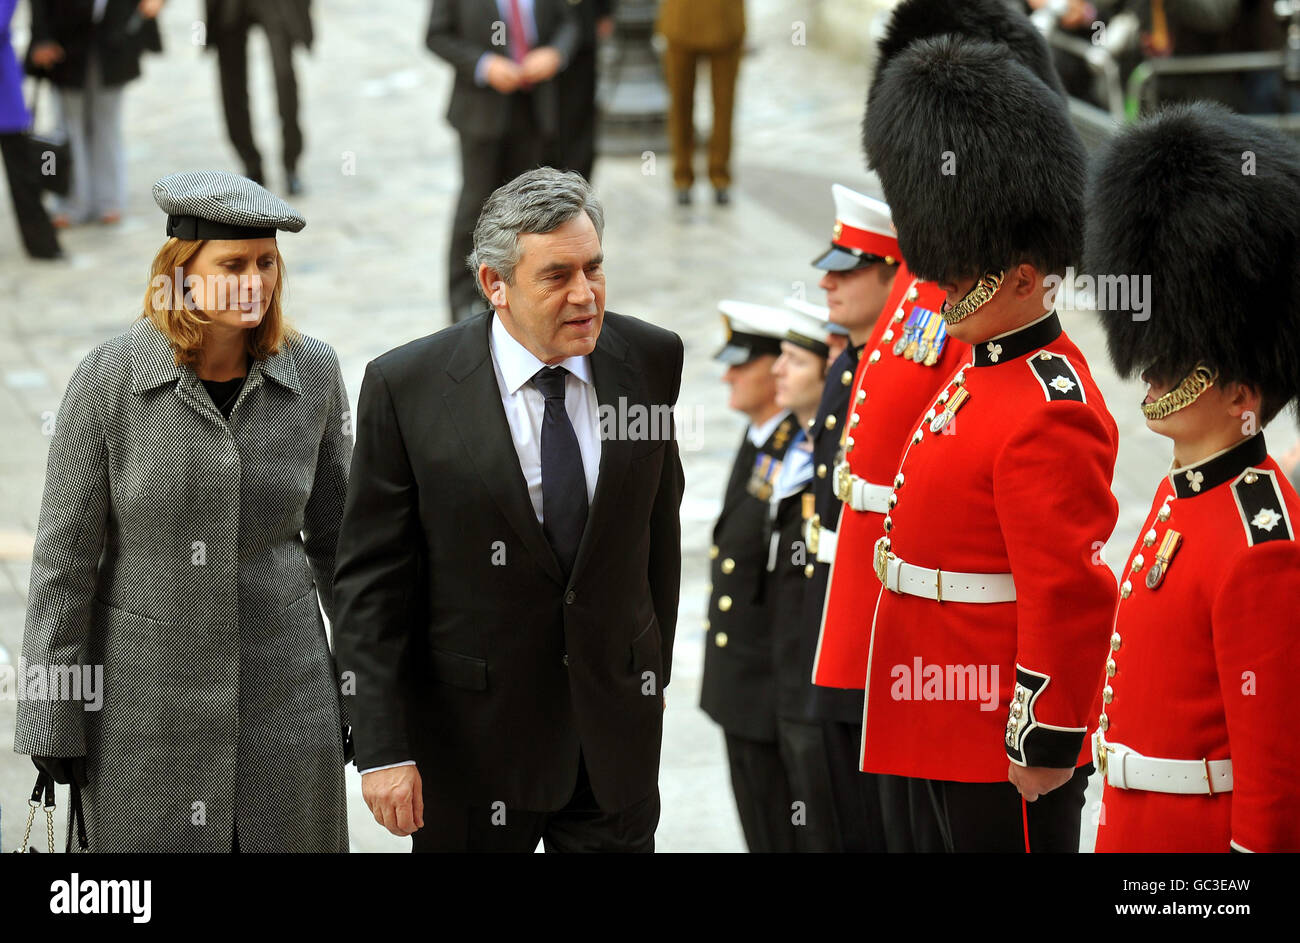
695, 29
90, 49
504, 105
287, 24
39, 238
575, 143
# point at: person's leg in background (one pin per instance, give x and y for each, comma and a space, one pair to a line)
762, 791
725, 69
679, 73
39, 238
232, 65
480, 167
107, 170
286, 93
74, 208
817, 827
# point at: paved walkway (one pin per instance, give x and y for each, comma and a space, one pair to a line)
368, 273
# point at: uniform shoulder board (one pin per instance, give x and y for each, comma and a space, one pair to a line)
1262, 508
1056, 376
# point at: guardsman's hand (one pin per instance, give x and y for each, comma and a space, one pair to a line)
1035, 781
396, 798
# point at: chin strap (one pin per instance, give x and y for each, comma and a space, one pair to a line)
979, 295
1183, 395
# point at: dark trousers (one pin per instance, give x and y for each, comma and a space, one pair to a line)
808, 770
25, 188
232, 61
485, 164
989, 817
581, 826
575, 144
870, 808
763, 794
679, 65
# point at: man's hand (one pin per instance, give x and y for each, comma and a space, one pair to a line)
540, 65
150, 8
46, 54
1035, 781
396, 798
502, 74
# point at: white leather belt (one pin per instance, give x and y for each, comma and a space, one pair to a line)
819, 540
1125, 768
940, 585
858, 493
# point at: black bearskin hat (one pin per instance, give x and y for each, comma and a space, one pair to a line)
984, 169
1207, 203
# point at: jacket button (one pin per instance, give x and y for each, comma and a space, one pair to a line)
1110, 668
846, 377
724, 604
720, 640
1114, 641
809, 570
728, 565
713, 552
821, 471
570, 597
830, 422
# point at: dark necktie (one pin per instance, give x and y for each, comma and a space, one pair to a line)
564, 483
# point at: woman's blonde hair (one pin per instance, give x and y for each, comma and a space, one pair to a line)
164, 305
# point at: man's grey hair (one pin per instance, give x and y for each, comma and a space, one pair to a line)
539, 201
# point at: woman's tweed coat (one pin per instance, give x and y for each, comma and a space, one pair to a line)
179, 550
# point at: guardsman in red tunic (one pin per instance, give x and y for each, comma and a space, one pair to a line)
992, 586
1197, 732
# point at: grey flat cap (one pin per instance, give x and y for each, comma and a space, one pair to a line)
214, 204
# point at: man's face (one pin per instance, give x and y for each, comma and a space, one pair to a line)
556, 305
1221, 407
800, 375
856, 297
753, 388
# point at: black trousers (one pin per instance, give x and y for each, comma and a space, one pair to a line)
485, 164
989, 817
872, 809
817, 820
581, 826
25, 188
763, 794
232, 62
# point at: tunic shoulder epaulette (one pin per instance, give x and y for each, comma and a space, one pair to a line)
1262, 508
1056, 376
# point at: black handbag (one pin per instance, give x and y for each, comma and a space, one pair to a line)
51, 155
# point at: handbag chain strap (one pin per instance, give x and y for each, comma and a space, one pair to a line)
44, 786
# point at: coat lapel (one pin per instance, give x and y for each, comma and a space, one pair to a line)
474, 403
613, 380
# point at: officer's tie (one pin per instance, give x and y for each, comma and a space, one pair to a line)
564, 483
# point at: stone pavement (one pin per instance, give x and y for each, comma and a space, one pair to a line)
368, 274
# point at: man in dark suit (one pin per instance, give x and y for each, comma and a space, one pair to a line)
504, 104
575, 144
287, 23
510, 557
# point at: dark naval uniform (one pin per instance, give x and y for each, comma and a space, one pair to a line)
738, 689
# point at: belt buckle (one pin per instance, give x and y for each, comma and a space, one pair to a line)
814, 533
883, 556
843, 482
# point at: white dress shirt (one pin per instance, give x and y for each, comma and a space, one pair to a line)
525, 406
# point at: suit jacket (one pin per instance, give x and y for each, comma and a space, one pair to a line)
472, 653
738, 689
71, 24
184, 552
707, 25
461, 31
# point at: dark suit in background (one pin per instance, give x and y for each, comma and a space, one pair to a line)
473, 654
575, 144
501, 136
287, 23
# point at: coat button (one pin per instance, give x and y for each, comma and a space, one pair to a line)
830, 421
713, 552
853, 423
570, 597
809, 570
1108, 694
821, 471
1149, 538
1110, 668
1125, 590
728, 565
1137, 563
1163, 514
1114, 641
720, 640
875, 357
862, 395
846, 377
724, 604
1103, 722
706, 625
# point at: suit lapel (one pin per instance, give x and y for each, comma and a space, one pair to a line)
474, 403
614, 382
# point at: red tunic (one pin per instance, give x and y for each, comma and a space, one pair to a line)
1019, 483
1203, 667
897, 390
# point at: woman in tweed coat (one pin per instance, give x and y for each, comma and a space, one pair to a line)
187, 530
